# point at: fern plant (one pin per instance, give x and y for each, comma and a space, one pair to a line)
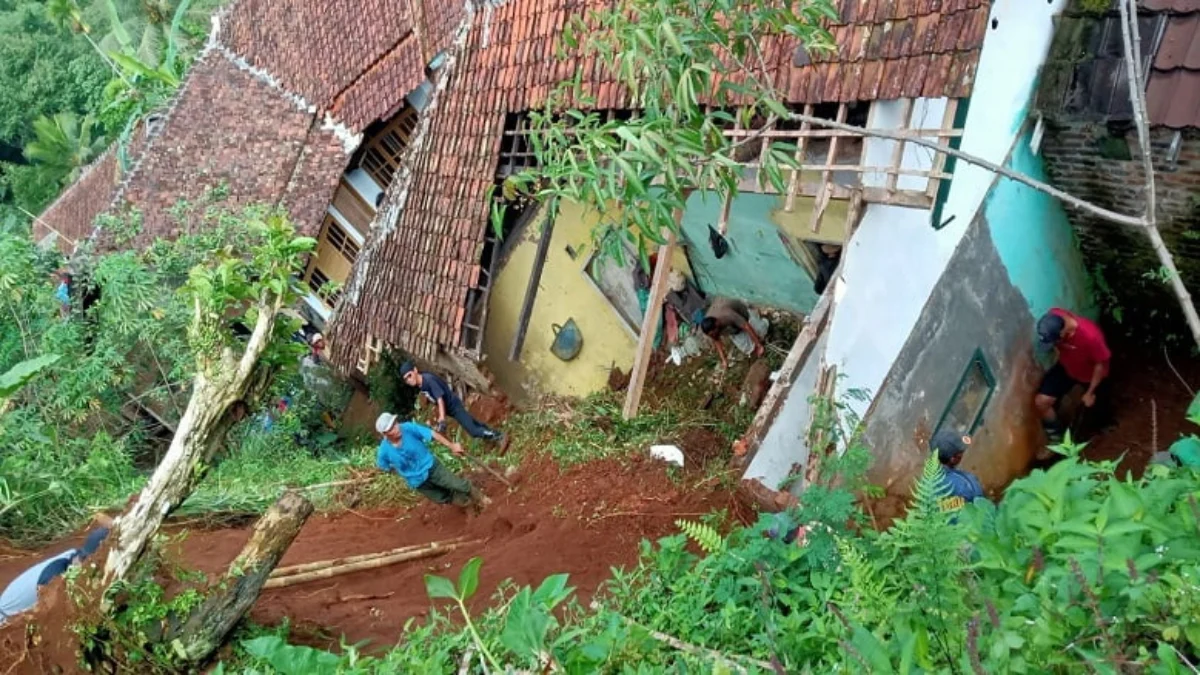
870, 596
926, 554
706, 537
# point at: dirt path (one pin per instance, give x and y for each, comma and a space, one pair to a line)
581, 521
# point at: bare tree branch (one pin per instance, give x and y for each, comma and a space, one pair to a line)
1137, 97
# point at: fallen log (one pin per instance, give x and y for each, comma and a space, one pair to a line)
205, 628
337, 562
434, 549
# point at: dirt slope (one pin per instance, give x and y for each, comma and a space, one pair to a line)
582, 521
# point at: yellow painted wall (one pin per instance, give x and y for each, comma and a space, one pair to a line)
565, 292
798, 221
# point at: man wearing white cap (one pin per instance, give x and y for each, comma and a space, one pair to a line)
405, 450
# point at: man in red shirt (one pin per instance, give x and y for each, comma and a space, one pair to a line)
1083, 360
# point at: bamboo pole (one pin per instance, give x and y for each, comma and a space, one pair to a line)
337, 562
434, 549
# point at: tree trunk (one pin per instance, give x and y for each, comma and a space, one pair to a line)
218, 385
205, 629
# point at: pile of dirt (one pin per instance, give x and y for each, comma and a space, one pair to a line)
618, 380
43, 642
702, 447
581, 521
491, 410
1148, 401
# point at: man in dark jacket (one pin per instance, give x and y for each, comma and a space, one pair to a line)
447, 402
960, 486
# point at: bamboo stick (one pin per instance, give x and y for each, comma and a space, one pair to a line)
826, 133
337, 562
434, 549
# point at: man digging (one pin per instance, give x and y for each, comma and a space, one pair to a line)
405, 450
1082, 361
447, 403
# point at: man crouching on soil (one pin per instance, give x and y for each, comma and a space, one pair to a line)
405, 450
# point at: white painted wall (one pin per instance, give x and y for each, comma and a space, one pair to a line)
896, 257
783, 445
1013, 53
927, 113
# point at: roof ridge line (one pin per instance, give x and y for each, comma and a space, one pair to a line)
339, 97
388, 218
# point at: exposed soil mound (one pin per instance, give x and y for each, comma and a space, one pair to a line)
1148, 404
581, 521
491, 410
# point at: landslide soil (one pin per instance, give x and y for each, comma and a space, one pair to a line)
583, 521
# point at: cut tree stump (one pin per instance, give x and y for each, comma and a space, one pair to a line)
206, 627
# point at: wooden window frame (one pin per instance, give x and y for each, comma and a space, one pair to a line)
384, 152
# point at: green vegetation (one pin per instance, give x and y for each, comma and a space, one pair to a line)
83, 434
1075, 569
76, 76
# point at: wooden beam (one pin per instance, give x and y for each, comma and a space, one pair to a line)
831, 133
531, 288
827, 175
645, 347
814, 325
906, 111
939, 161
723, 219
793, 182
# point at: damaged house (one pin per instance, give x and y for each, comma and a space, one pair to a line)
382, 128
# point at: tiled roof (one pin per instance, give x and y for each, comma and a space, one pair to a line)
1171, 5
227, 130
414, 275
316, 49
356, 58
250, 116
1173, 93
1085, 76
72, 214
375, 95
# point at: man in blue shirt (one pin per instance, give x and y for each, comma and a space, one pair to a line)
960, 486
22, 593
441, 395
405, 450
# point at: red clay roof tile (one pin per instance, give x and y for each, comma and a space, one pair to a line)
1173, 94
1173, 99
1171, 5
1180, 46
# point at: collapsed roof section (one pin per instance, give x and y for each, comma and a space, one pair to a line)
411, 283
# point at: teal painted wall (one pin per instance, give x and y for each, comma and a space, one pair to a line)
759, 268
1035, 241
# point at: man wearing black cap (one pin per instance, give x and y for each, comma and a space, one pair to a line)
960, 486
1083, 358
22, 593
436, 390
